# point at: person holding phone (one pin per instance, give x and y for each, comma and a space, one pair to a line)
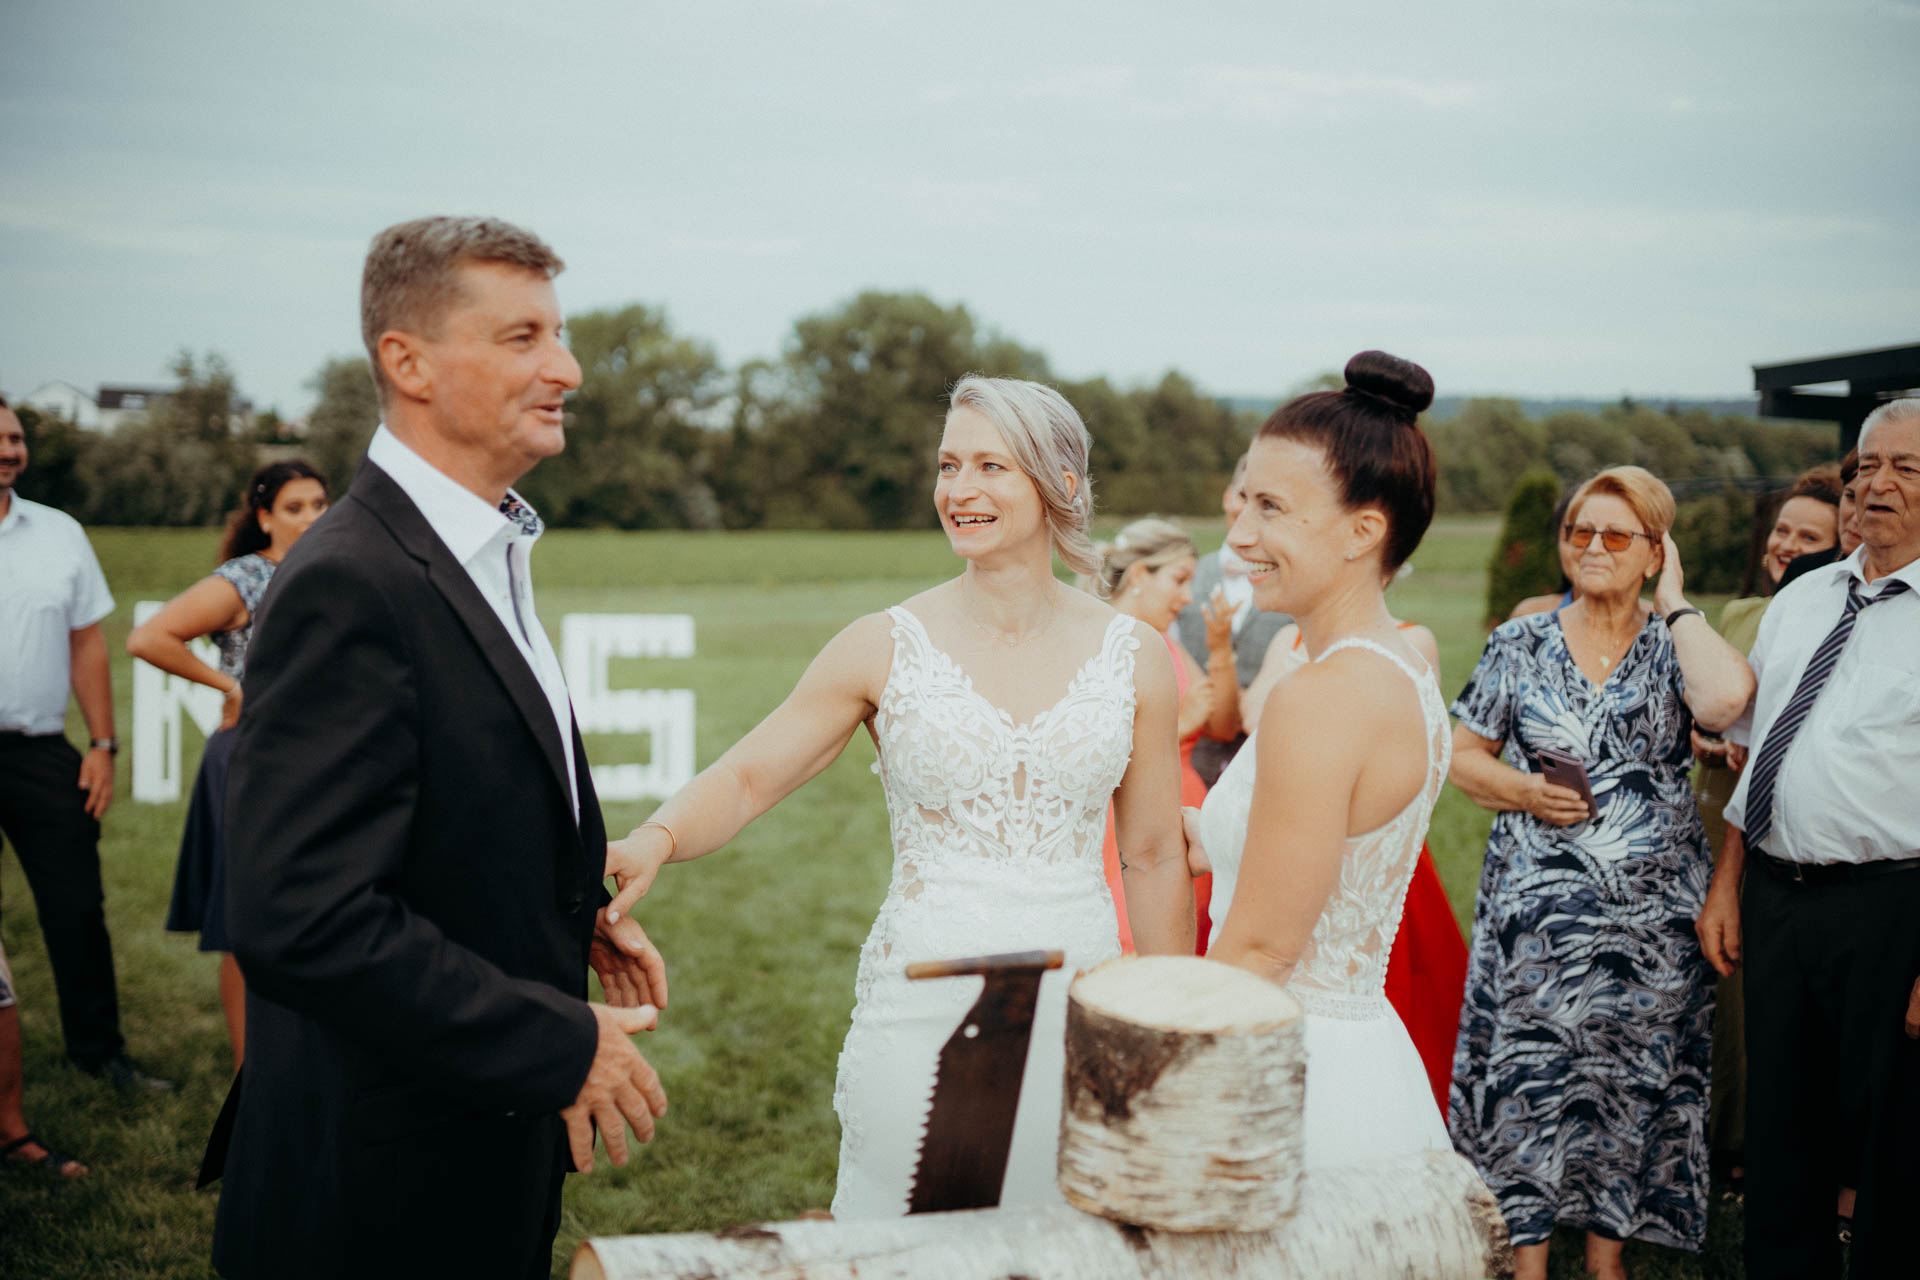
1580, 1073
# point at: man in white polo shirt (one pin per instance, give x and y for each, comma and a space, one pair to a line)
1817, 890
51, 797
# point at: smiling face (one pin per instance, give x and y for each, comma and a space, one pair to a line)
1803, 525
1156, 596
13, 450
1294, 532
1888, 491
299, 503
986, 502
1609, 575
498, 370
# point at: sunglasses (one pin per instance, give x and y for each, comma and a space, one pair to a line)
1580, 535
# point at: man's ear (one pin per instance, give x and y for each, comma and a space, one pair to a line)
406, 363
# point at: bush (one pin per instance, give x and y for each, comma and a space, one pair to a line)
1714, 534
1526, 560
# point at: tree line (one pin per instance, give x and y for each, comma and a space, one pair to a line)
838, 432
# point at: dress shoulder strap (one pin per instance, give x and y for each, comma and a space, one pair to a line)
1361, 642
1118, 647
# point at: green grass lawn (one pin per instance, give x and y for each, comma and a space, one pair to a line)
761, 939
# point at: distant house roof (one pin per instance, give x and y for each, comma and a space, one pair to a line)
130, 396
1872, 378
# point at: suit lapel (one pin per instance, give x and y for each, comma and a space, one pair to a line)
450, 578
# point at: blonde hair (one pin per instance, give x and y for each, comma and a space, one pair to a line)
1640, 489
1152, 542
1049, 442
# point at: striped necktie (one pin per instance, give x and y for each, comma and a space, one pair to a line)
1786, 725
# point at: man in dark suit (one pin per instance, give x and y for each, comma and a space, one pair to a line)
1221, 574
416, 852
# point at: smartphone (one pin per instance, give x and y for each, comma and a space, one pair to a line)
1569, 771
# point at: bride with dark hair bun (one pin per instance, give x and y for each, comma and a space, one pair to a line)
1312, 836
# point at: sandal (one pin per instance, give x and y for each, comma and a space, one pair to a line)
54, 1164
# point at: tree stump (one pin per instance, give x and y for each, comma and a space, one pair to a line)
1185, 1085
1425, 1215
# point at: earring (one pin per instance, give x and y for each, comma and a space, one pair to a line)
1134, 592
1349, 555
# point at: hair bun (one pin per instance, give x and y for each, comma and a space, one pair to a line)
1401, 383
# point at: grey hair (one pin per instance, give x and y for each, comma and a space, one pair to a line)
1892, 411
1049, 442
1151, 541
410, 280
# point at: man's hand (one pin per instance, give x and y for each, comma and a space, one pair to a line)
1718, 927
632, 972
96, 779
1913, 1012
1218, 613
619, 1084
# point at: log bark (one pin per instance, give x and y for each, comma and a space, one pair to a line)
1185, 1083
1425, 1217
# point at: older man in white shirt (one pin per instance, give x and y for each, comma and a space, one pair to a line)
1817, 889
51, 797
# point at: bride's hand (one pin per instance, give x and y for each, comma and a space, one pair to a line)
1197, 863
633, 863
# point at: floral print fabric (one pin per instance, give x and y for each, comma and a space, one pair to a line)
1581, 1070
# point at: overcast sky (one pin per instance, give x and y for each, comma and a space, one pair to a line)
1543, 198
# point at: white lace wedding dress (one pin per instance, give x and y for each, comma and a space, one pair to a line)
996, 831
1367, 1092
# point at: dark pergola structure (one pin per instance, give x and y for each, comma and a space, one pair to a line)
1872, 378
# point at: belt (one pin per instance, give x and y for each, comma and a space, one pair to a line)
1835, 872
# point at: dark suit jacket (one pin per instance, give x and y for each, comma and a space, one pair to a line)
1250, 642
411, 901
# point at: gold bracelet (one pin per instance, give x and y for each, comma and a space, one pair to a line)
673, 842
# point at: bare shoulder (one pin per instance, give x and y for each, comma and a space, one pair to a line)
1355, 685
1284, 639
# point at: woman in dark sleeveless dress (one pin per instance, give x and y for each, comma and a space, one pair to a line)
282, 500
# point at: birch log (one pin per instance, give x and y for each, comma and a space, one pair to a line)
1185, 1084
1424, 1217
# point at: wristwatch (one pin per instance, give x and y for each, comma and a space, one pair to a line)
109, 745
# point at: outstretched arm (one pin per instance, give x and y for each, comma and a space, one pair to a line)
802, 736
1146, 812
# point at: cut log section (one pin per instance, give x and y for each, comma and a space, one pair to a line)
1185, 1085
1426, 1215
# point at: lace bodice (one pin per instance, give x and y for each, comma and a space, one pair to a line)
963, 780
1343, 971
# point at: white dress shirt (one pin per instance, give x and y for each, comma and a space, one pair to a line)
1849, 787
497, 556
50, 587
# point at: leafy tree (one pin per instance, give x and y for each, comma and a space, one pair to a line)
58, 461
343, 421
1714, 534
1483, 451
1526, 560
638, 452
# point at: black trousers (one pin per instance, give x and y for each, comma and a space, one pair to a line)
43, 815
1831, 1076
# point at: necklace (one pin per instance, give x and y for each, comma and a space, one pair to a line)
966, 599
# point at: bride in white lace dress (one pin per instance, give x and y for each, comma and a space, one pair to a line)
1313, 830
1008, 709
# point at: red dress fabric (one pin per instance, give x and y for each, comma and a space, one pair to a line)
1192, 792
1427, 974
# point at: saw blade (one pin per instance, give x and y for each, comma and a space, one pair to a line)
976, 1093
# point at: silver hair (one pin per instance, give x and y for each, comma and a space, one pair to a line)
1150, 541
1892, 411
1049, 442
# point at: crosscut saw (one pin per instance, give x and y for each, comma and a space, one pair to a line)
976, 1094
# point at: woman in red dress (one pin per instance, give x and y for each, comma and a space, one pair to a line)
1146, 572
1427, 969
